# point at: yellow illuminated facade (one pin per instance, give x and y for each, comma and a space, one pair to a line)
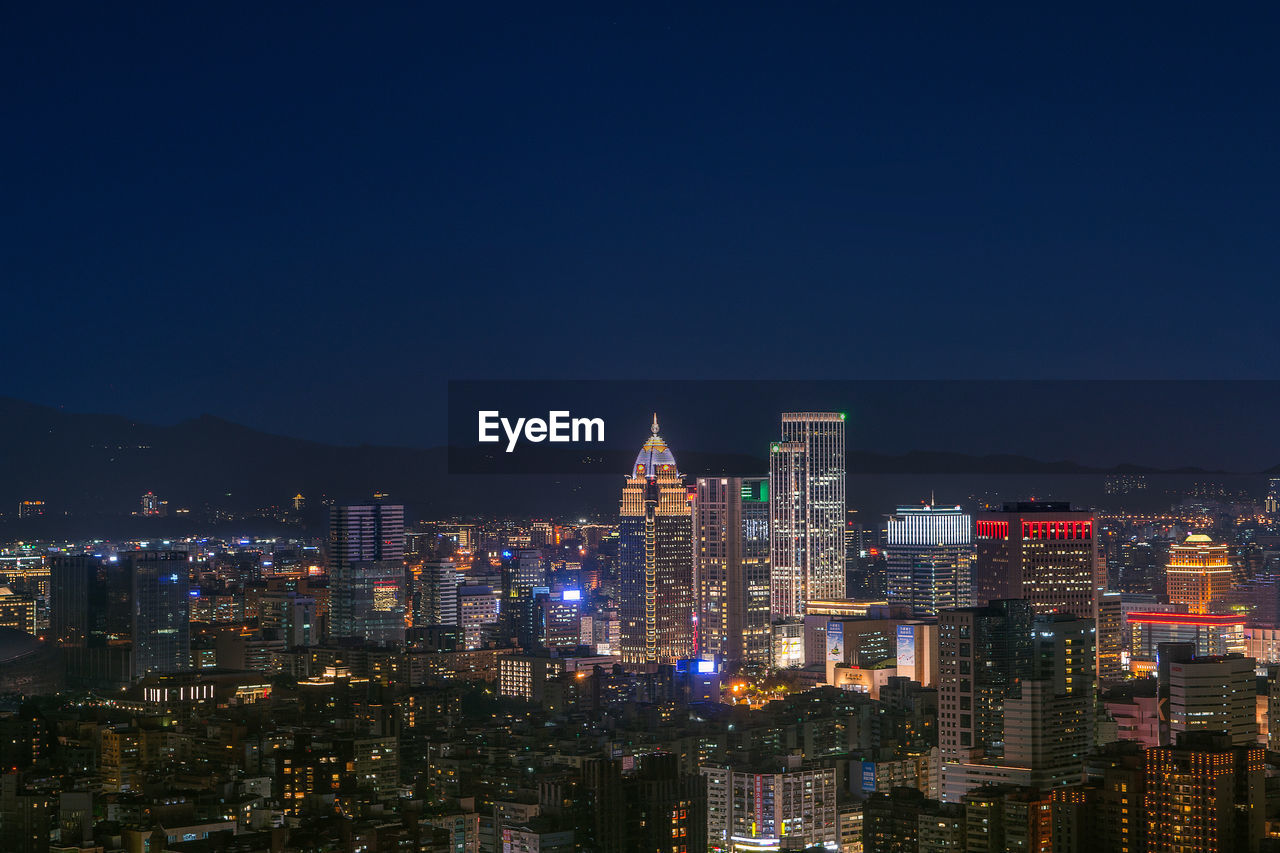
1198, 573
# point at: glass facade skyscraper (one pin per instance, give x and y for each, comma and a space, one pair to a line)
929, 555
807, 511
367, 574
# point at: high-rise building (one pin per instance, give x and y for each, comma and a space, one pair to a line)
807, 511
435, 593
760, 808
367, 574
1215, 694
121, 618
527, 569
1015, 702
731, 532
478, 611
90, 618
929, 553
982, 654
1204, 795
1109, 618
1272, 502
1198, 573
17, 611
655, 559
1040, 551
1048, 721
161, 611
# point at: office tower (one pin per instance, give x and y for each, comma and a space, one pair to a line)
367, 574
435, 593
807, 511
1199, 572
1214, 694
161, 611
1015, 701
559, 619
17, 611
1272, 503
655, 559
1048, 718
528, 569
760, 808
294, 616
123, 618
731, 533
1204, 795
150, 504
90, 617
1108, 616
929, 552
982, 653
478, 611
1039, 551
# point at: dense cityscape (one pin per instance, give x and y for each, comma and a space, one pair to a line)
639, 428
725, 664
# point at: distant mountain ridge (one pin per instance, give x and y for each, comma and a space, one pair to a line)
101, 464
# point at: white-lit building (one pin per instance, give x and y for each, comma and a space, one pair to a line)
807, 511
929, 557
760, 809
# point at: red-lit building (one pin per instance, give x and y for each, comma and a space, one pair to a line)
1041, 551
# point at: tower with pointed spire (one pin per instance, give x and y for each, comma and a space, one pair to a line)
655, 558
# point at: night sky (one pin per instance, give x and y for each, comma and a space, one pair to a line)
308, 217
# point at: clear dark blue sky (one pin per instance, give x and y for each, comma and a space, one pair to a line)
306, 217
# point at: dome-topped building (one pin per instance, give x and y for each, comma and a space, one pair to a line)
655, 458
655, 559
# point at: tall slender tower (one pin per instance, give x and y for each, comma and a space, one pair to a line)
655, 558
731, 533
367, 574
807, 511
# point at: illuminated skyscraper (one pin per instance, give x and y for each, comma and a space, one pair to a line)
929, 552
1040, 551
807, 511
367, 574
731, 529
655, 558
161, 611
1272, 502
1199, 572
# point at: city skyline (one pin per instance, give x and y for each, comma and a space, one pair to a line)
640, 429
